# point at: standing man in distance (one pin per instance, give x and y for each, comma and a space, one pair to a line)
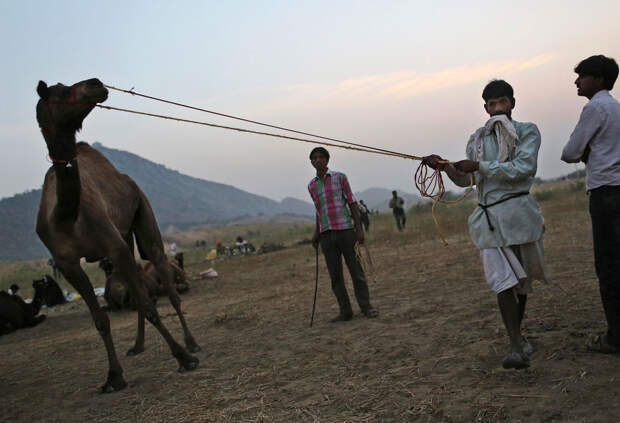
507, 226
596, 142
338, 228
397, 204
364, 215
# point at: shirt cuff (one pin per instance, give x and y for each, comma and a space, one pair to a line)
483, 168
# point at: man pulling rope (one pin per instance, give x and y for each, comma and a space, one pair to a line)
507, 226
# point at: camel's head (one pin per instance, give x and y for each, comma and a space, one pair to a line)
117, 295
106, 266
61, 110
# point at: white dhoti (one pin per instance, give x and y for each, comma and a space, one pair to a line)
514, 267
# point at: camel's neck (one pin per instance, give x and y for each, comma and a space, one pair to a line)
60, 144
67, 190
63, 152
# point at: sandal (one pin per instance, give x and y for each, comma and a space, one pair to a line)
598, 343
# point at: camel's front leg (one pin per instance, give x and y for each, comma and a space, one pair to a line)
79, 280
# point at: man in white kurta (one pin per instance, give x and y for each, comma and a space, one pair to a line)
507, 225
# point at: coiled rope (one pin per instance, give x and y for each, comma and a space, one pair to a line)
429, 184
365, 260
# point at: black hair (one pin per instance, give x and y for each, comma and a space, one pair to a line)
14, 288
599, 67
497, 88
321, 150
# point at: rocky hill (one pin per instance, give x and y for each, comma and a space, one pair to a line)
179, 202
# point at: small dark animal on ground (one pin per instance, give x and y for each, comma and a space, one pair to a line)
47, 291
117, 294
15, 313
179, 279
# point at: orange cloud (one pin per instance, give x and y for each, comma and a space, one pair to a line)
397, 85
400, 85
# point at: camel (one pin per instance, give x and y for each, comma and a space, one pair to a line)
47, 292
15, 313
88, 209
178, 277
117, 295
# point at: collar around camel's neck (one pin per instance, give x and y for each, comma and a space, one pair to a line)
61, 147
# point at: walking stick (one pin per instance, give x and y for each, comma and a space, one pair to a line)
316, 284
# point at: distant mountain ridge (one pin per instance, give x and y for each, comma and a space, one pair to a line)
18, 216
185, 201
179, 201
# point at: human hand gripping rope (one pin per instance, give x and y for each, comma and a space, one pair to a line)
429, 184
432, 186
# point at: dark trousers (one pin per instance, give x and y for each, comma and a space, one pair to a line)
399, 215
605, 214
334, 245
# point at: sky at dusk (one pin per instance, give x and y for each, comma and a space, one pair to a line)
400, 75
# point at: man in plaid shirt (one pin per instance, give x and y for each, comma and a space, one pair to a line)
338, 228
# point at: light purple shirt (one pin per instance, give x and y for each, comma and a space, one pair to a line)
599, 129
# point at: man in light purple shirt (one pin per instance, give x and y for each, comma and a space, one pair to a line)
596, 142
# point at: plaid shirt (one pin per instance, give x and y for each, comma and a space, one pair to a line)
331, 195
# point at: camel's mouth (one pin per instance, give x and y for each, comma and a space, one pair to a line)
101, 95
104, 95
95, 91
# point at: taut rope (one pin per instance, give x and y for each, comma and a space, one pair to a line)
430, 186
132, 92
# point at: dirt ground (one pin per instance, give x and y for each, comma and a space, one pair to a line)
433, 355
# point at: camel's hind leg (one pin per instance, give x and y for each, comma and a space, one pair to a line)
124, 261
74, 274
151, 248
166, 275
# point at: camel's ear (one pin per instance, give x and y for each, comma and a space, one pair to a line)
43, 91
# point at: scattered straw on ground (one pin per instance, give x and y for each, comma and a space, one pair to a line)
433, 355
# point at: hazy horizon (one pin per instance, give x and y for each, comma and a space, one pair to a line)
396, 75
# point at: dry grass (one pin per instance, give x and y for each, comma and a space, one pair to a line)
279, 230
433, 355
